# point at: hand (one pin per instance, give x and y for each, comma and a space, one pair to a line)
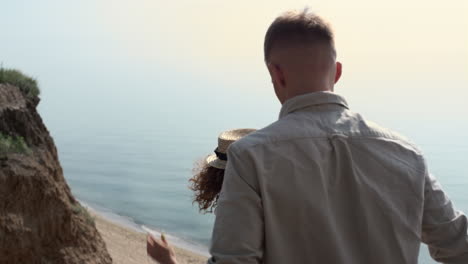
160, 250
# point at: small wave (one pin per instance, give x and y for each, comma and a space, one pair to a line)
181, 243
129, 223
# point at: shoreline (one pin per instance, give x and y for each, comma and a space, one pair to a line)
127, 246
126, 240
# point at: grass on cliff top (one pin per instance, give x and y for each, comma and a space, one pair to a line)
25, 83
9, 144
80, 210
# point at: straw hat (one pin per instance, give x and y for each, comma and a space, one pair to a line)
226, 138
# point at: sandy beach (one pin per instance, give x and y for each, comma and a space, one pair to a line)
129, 247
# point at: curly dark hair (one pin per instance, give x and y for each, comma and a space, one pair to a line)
206, 183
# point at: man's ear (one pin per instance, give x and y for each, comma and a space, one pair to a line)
278, 80
277, 74
339, 70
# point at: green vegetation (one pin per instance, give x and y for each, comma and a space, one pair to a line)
9, 144
26, 84
80, 210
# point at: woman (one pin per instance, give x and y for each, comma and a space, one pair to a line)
206, 183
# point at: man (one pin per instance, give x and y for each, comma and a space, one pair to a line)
322, 184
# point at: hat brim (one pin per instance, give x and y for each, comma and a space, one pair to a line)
214, 161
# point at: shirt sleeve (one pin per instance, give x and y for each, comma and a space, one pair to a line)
238, 231
444, 229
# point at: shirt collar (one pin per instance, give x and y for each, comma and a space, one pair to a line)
311, 99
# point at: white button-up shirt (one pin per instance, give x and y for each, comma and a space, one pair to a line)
324, 185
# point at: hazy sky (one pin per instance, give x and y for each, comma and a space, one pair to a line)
400, 57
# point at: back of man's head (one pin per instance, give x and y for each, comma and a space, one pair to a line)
301, 45
298, 28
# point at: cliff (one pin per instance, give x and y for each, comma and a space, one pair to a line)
40, 220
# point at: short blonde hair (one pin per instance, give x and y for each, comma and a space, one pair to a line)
294, 27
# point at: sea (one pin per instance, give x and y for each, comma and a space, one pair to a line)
128, 151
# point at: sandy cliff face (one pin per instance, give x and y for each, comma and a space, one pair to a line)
40, 221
